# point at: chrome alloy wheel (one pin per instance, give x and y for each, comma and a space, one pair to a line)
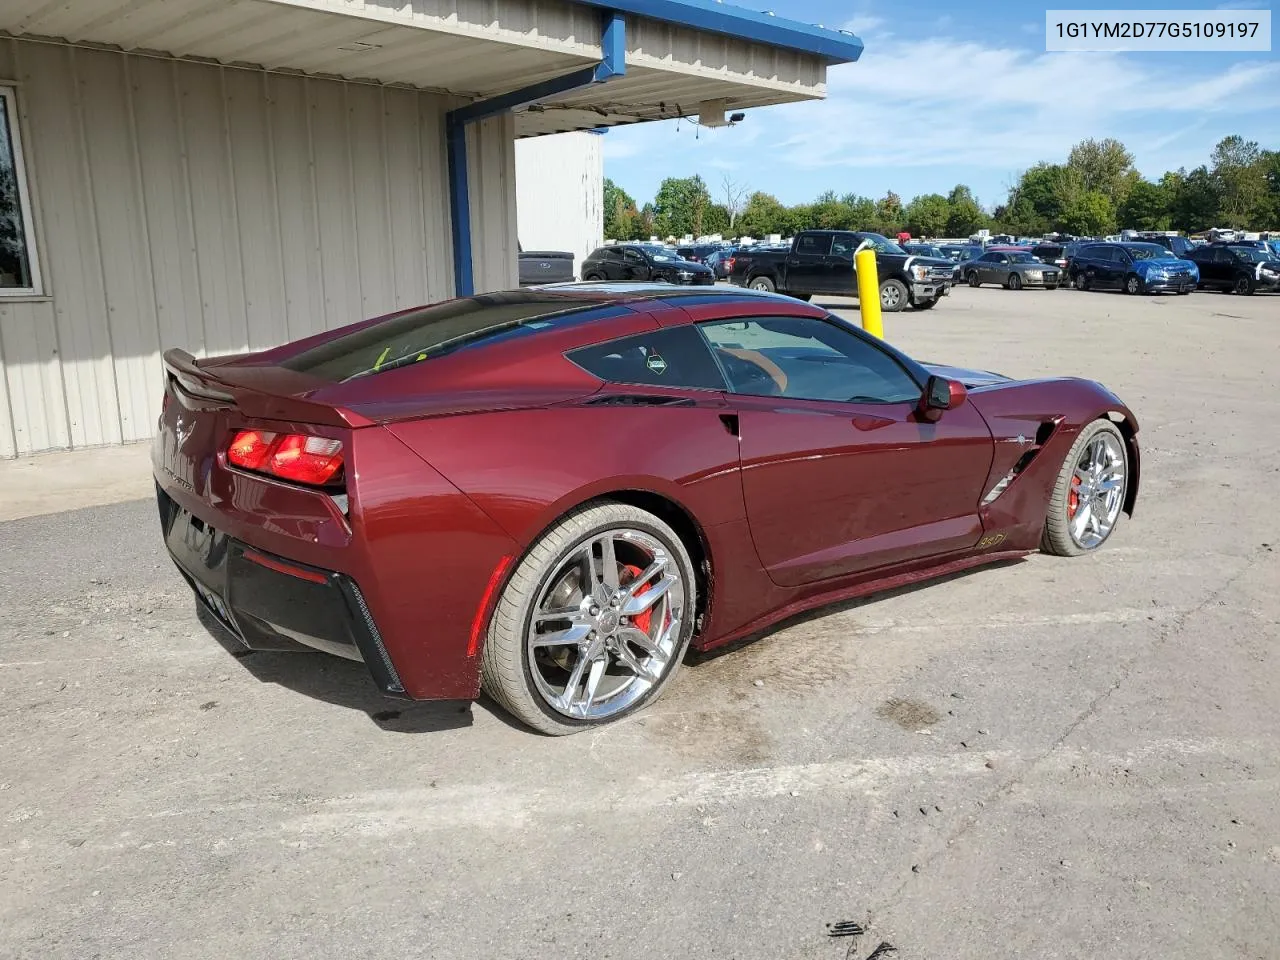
606, 625
1097, 491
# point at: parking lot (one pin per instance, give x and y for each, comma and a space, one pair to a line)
1051, 758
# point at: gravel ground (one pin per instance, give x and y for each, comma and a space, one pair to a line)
1051, 758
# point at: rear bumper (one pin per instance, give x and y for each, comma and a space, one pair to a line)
271, 603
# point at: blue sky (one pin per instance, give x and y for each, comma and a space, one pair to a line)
963, 92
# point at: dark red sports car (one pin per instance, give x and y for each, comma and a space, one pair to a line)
551, 493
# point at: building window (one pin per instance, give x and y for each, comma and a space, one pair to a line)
19, 272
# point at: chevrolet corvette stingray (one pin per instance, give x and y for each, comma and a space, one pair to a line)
551, 494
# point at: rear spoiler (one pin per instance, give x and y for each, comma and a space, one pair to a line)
187, 377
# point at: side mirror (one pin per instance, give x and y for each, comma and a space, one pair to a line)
940, 393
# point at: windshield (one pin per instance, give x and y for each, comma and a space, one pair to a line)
923, 250
1251, 254
1022, 258
1147, 251
881, 244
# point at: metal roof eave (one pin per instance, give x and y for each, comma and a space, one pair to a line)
713, 16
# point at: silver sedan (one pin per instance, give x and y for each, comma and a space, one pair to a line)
1013, 269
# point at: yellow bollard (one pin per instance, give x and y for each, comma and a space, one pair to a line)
869, 292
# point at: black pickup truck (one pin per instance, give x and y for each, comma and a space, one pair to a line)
821, 262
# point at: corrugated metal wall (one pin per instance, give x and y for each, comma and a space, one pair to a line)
218, 209
560, 193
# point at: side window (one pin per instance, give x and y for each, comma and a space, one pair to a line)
814, 244
806, 359
669, 357
19, 271
632, 256
843, 245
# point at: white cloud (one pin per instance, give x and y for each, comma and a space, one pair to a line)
941, 103
863, 24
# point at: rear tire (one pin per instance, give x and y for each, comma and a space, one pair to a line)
763, 283
1081, 281
507, 665
1057, 538
973, 279
893, 296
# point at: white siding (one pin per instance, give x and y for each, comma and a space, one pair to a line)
560, 193
218, 209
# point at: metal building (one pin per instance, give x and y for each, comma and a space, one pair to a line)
560, 193
224, 175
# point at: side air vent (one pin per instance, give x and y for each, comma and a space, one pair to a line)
639, 400
1043, 433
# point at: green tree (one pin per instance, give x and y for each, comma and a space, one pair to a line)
1196, 201
680, 205
927, 215
763, 215
1089, 213
1104, 166
1146, 207
716, 219
862, 211
965, 216
620, 212
888, 219
1242, 180
1041, 198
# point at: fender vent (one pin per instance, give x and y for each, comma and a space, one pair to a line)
1043, 433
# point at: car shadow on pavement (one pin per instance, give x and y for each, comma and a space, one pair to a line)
695, 657
344, 683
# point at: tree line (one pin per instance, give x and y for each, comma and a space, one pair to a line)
1096, 191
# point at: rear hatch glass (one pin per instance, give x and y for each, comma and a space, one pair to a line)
439, 329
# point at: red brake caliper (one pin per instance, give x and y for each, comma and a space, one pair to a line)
1073, 498
642, 620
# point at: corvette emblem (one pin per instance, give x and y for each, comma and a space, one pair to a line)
656, 364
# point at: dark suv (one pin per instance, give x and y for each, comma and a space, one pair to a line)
1178, 246
640, 263
1133, 266
1236, 267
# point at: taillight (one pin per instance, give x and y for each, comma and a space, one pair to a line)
730, 262
314, 461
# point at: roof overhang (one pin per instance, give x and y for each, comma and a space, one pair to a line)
679, 53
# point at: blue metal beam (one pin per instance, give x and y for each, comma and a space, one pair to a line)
613, 63
712, 16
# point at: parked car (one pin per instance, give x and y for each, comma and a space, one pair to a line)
960, 254
821, 262
698, 253
544, 266
642, 262
925, 250
719, 262
1134, 267
1012, 269
1237, 267
1178, 246
397, 491
1054, 254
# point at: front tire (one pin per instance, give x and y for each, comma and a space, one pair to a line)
973, 279
1133, 285
1089, 494
1014, 282
1245, 286
763, 283
1082, 281
893, 296
593, 623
